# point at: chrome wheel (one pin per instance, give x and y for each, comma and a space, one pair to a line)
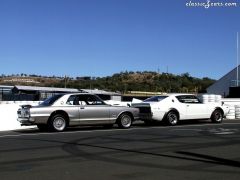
58, 123
217, 116
172, 118
125, 121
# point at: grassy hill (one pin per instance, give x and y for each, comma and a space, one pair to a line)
123, 82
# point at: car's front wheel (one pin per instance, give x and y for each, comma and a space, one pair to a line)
172, 118
217, 116
124, 121
58, 123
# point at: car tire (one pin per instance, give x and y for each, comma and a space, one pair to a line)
217, 116
172, 118
124, 121
58, 123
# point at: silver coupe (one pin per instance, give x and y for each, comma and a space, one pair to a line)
60, 111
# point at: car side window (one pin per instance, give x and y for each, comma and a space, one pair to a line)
73, 100
188, 99
70, 100
84, 99
93, 100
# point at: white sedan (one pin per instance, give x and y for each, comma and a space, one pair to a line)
174, 107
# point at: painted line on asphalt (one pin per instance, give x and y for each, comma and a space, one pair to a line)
111, 130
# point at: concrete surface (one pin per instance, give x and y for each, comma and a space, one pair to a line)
194, 150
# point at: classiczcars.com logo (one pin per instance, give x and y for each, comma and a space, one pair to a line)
209, 4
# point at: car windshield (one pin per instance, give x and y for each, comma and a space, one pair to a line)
155, 99
51, 100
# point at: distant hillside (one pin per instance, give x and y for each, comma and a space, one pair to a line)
123, 82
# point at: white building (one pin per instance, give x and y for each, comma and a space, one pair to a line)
223, 85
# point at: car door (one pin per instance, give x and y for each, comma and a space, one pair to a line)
93, 110
72, 108
194, 109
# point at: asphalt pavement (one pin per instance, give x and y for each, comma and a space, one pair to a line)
192, 150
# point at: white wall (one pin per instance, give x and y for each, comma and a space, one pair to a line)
8, 115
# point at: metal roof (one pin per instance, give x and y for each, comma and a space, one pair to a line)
97, 91
3, 86
50, 89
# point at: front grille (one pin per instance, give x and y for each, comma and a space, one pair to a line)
144, 109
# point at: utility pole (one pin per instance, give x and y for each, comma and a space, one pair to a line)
65, 81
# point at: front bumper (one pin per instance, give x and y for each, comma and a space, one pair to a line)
145, 116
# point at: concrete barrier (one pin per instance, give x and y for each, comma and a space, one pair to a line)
237, 111
232, 103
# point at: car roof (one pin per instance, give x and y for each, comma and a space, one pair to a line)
78, 94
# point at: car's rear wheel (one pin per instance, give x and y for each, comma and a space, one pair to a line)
172, 118
217, 116
58, 123
124, 121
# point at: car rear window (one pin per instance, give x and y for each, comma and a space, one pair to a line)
155, 99
51, 100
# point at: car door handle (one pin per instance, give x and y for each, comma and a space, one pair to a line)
81, 107
187, 105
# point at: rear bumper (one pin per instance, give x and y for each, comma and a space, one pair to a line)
26, 121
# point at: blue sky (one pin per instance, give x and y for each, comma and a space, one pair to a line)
103, 37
